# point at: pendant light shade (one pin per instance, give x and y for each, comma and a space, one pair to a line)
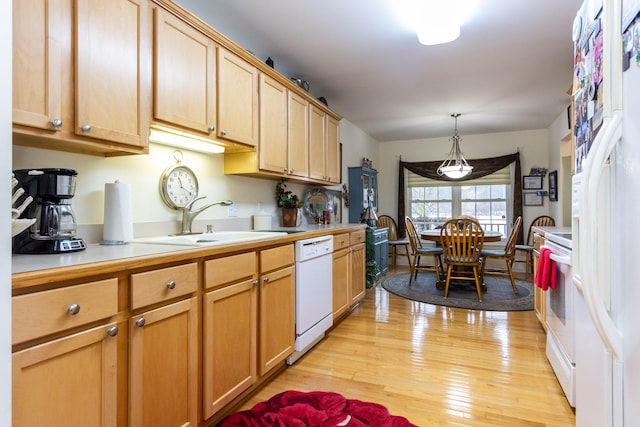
455, 166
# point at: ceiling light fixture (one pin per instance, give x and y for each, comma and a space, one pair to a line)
455, 166
434, 21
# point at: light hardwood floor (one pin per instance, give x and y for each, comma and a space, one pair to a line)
437, 366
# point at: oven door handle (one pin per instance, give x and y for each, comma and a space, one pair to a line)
563, 261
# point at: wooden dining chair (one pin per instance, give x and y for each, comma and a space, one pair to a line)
507, 254
527, 248
394, 243
418, 251
462, 240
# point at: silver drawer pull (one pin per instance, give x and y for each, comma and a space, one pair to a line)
140, 322
266, 279
56, 123
171, 284
256, 282
73, 309
86, 128
113, 331
212, 128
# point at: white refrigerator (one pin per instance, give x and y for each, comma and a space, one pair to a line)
606, 213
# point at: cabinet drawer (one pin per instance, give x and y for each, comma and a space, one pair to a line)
271, 259
43, 313
229, 269
357, 237
160, 285
379, 236
340, 241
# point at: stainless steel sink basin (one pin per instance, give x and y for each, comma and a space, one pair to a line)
210, 239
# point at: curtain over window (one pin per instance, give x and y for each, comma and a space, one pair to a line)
481, 168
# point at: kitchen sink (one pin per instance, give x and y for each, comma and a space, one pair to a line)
210, 239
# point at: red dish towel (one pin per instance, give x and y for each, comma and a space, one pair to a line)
546, 272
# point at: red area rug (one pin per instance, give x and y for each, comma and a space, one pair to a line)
314, 409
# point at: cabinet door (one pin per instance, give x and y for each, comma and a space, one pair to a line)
298, 135
357, 264
277, 323
70, 381
333, 150
341, 298
237, 99
37, 63
184, 75
230, 333
317, 136
273, 126
112, 70
163, 366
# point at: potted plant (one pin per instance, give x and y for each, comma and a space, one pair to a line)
289, 202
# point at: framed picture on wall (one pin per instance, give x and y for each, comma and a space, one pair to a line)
532, 199
532, 182
553, 186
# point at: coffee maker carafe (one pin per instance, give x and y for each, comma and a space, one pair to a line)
55, 228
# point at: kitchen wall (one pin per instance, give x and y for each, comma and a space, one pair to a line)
533, 146
559, 147
142, 173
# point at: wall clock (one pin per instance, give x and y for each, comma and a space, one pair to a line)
178, 184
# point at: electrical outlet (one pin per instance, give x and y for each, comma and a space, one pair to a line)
233, 210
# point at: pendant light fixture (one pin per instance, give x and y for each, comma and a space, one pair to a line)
455, 166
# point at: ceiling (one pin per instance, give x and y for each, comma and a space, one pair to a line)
509, 70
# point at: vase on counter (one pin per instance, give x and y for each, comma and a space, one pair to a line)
289, 217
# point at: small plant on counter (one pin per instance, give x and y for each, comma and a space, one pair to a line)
285, 198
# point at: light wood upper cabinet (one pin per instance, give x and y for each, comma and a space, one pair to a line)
237, 99
37, 64
333, 150
184, 75
273, 126
317, 138
81, 75
298, 135
112, 70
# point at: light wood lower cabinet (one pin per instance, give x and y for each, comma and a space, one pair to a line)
71, 381
163, 366
349, 259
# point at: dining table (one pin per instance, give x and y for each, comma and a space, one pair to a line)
433, 235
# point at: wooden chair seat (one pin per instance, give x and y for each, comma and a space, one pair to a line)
417, 252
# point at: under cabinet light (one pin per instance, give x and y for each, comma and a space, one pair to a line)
178, 139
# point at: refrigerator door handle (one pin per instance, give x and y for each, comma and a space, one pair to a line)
606, 140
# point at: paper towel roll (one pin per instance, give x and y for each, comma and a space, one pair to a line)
118, 226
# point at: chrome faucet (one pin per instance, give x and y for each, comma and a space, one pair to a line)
188, 214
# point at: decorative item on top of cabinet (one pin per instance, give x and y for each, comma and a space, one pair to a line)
76, 108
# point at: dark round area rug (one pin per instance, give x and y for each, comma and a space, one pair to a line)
498, 297
314, 409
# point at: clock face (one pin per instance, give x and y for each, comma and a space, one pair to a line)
178, 186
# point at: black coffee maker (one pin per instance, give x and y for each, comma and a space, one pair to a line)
55, 228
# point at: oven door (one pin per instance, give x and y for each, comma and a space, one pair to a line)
561, 321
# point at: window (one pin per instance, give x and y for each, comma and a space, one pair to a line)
488, 199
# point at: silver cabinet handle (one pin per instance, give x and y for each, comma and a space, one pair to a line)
256, 282
113, 331
266, 279
73, 309
171, 284
286, 170
57, 123
86, 127
140, 322
290, 170
223, 133
212, 128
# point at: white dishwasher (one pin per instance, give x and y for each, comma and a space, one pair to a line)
314, 295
